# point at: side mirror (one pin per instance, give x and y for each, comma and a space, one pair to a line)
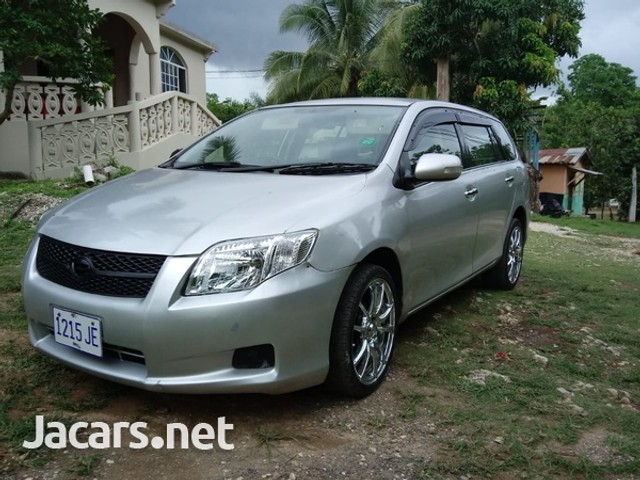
438, 167
177, 150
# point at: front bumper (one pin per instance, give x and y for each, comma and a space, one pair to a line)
186, 344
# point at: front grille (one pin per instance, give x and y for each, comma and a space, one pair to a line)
114, 274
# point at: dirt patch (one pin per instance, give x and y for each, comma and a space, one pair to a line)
593, 445
8, 301
29, 207
534, 336
597, 246
304, 435
17, 337
552, 229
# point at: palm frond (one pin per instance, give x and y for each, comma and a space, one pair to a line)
341, 35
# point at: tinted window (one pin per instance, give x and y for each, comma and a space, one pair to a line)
508, 148
435, 139
482, 147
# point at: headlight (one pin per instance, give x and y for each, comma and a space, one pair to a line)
242, 264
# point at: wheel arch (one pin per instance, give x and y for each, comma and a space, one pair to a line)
387, 259
521, 215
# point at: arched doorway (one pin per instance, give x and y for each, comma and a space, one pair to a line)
118, 35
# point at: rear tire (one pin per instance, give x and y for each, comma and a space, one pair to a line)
505, 274
363, 332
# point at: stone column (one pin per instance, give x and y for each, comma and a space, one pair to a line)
154, 74
133, 81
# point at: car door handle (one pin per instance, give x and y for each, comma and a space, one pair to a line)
471, 192
510, 180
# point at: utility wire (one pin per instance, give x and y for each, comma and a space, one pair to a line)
255, 70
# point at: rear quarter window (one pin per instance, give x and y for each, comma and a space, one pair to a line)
508, 148
481, 144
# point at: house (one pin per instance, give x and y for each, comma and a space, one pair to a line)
156, 103
564, 172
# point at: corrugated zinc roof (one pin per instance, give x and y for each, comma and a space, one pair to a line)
564, 156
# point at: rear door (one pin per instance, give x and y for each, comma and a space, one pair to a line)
492, 175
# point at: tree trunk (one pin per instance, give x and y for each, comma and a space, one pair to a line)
534, 191
442, 83
8, 99
633, 205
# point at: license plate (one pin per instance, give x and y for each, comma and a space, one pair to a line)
78, 330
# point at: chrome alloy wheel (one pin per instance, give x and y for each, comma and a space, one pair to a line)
373, 331
514, 254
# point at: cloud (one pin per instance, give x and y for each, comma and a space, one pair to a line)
246, 31
611, 29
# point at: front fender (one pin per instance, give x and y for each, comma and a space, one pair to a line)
373, 219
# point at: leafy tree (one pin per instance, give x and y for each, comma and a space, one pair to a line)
436, 32
375, 83
493, 48
593, 79
57, 34
341, 34
507, 100
228, 108
607, 120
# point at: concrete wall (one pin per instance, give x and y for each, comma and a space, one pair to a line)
156, 154
14, 147
148, 158
554, 179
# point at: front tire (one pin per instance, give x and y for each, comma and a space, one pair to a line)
506, 273
363, 332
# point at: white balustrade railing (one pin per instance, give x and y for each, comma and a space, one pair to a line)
57, 143
36, 98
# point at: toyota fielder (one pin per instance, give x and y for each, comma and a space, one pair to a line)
280, 251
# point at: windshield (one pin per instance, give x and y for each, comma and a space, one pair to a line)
301, 135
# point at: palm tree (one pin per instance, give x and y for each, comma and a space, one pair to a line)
387, 55
341, 35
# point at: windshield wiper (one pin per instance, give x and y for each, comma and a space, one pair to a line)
209, 166
287, 169
257, 168
326, 168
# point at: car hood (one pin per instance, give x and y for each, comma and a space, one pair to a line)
183, 212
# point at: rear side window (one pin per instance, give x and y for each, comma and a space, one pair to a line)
435, 139
482, 147
508, 148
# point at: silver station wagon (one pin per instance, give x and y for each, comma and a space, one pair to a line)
280, 251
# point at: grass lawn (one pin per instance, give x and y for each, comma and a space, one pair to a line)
568, 342
541, 382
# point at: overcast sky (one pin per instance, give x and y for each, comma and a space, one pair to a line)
246, 31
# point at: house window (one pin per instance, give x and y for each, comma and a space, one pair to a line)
174, 73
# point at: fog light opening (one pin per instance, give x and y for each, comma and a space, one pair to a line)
257, 356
